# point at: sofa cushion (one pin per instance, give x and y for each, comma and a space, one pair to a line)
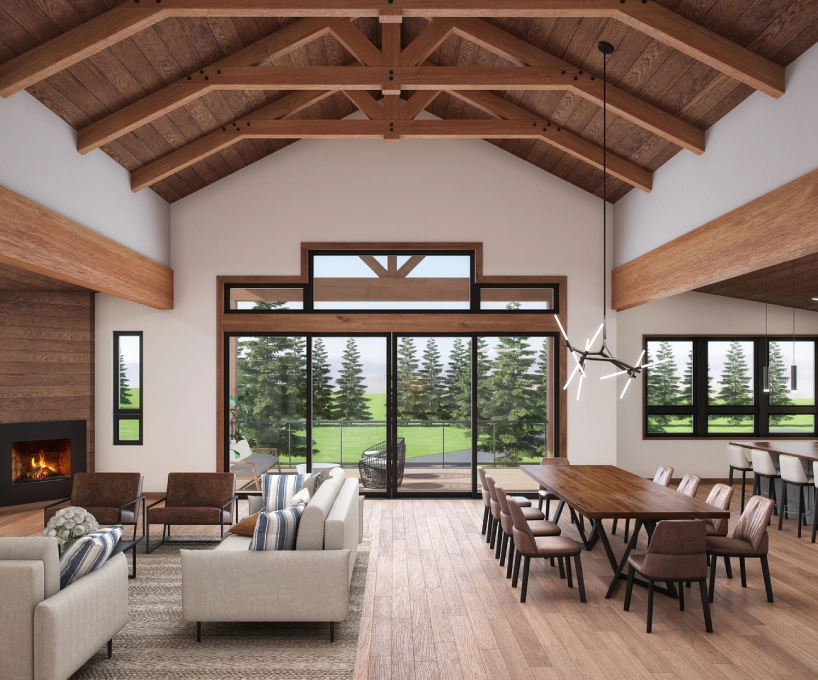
38, 548
311, 526
234, 542
88, 553
188, 515
277, 530
278, 490
246, 527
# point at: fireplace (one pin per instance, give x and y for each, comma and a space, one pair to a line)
38, 460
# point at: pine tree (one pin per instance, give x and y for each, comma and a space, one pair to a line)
410, 386
323, 403
663, 383
350, 400
779, 382
735, 380
542, 376
686, 386
124, 385
484, 388
457, 402
431, 373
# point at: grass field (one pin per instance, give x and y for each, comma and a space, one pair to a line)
135, 395
129, 430
801, 422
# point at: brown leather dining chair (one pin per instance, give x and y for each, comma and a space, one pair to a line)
748, 540
527, 545
539, 527
676, 553
497, 529
720, 496
689, 486
545, 495
489, 522
663, 476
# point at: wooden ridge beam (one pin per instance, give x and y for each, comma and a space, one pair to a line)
572, 144
39, 240
181, 92
777, 227
622, 103
192, 153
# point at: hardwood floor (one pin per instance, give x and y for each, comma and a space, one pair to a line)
437, 605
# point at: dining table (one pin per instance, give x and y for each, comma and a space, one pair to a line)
599, 492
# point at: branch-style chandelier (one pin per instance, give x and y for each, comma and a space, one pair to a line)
581, 357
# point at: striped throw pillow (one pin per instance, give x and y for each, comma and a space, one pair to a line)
278, 490
88, 553
277, 530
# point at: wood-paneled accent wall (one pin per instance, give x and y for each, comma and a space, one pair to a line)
47, 359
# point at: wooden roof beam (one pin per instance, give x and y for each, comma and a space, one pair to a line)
620, 102
365, 102
181, 92
417, 103
428, 41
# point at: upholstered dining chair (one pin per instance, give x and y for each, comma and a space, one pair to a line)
720, 496
794, 474
676, 553
814, 509
748, 540
489, 524
689, 486
539, 527
663, 476
544, 495
765, 467
737, 460
527, 545
497, 530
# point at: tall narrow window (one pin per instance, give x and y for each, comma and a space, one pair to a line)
128, 395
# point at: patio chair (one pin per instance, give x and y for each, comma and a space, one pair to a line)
372, 466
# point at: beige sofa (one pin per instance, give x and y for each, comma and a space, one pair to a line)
48, 633
310, 583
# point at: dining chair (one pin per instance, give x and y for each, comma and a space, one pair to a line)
484, 492
497, 530
720, 496
748, 540
539, 527
737, 460
765, 467
793, 474
663, 476
689, 486
676, 553
547, 496
527, 545
814, 513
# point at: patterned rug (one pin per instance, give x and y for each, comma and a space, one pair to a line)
157, 643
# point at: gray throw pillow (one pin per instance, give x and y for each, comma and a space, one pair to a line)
315, 480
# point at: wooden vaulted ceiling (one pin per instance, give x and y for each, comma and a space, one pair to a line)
172, 89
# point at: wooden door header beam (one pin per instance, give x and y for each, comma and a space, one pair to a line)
648, 17
39, 240
777, 227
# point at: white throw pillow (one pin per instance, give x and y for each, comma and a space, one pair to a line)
277, 530
302, 497
88, 553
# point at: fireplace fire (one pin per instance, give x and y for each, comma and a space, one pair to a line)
40, 461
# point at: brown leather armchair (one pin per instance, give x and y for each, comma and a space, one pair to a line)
111, 497
194, 498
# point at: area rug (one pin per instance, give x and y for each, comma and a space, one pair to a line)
157, 643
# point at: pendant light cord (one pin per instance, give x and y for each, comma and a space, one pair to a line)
604, 196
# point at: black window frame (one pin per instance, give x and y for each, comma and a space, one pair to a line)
701, 408
128, 413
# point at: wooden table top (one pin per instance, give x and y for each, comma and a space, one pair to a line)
807, 450
608, 492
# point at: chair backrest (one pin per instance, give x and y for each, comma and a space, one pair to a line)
523, 536
242, 448
663, 475
505, 511
720, 496
689, 485
737, 457
555, 461
763, 463
105, 489
752, 525
815, 472
484, 491
792, 470
490, 486
677, 550
200, 489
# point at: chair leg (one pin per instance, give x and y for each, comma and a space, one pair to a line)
494, 529
713, 560
332, 631
562, 567
568, 572
708, 623
743, 567
756, 484
110, 648
524, 587
580, 580
743, 485
815, 515
629, 589
489, 527
503, 548
517, 556
773, 492
765, 569
650, 604
501, 536
486, 512
547, 508
783, 504
681, 596
198, 631
728, 567
510, 557
539, 504
613, 527
730, 477
627, 530
801, 508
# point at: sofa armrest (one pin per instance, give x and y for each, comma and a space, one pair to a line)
74, 624
21, 589
298, 585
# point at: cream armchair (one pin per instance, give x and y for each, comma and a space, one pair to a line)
49, 633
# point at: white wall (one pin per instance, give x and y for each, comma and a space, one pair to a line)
689, 313
254, 221
761, 145
39, 160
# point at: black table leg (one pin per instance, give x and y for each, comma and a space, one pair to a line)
600, 529
587, 543
133, 560
618, 568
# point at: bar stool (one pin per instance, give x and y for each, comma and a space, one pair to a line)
539, 527
663, 476
764, 466
792, 472
689, 486
546, 496
737, 460
497, 529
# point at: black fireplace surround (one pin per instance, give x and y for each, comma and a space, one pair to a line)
45, 489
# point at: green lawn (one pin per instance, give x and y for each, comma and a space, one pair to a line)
129, 430
683, 425
134, 394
